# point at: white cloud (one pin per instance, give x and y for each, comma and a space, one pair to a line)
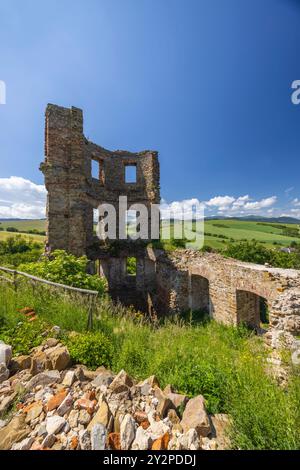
21, 198
220, 205
186, 209
220, 201
240, 201
242, 205
262, 204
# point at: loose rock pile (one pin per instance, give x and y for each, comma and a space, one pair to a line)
56, 407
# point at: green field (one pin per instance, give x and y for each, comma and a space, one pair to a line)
238, 230
24, 225
235, 230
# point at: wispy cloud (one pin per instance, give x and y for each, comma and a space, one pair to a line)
289, 190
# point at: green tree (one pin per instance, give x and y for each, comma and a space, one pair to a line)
255, 252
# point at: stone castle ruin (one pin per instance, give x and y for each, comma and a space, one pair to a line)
230, 291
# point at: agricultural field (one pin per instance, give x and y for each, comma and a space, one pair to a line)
24, 225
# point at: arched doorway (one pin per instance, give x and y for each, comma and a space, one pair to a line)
252, 310
199, 294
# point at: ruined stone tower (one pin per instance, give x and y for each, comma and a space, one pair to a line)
74, 193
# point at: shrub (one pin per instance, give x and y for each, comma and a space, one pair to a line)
24, 336
34, 231
207, 249
205, 377
179, 242
92, 349
66, 269
291, 232
18, 244
15, 259
249, 251
17, 250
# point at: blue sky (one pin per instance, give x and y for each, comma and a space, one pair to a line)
207, 83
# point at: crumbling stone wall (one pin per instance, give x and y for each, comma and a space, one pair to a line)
164, 284
234, 290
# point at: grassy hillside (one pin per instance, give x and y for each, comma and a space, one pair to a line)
239, 230
217, 232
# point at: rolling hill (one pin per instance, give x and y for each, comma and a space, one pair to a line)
218, 232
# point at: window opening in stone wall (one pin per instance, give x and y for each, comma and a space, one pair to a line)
131, 266
132, 228
98, 171
95, 219
95, 169
130, 173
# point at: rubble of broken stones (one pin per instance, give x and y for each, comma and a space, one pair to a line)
47, 405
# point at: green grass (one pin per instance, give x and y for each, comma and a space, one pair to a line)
225, 364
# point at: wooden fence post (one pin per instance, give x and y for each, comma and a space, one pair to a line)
90, 313
15, 281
